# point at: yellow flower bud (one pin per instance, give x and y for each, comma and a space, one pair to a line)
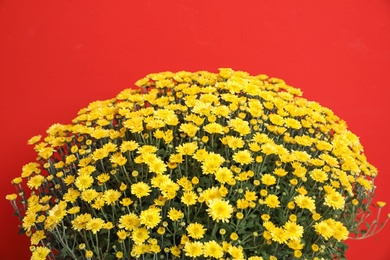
194, 180
161, 230
11, 197
239, 215
297, 253
119, 255
263, 193
316, 216
88, 254
381, 204
293, 218
233, 236
265, 217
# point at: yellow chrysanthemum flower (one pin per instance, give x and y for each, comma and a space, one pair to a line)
193, 249
212, 249
196, 230
150, 217
140, 189
220, 210
129, 221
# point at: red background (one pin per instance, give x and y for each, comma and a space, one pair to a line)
57, 56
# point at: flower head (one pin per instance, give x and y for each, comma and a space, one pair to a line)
220, 210
150, 217
196, 230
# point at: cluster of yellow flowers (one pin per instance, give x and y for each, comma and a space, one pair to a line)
196, 165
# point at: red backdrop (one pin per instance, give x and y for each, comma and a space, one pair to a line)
57, 56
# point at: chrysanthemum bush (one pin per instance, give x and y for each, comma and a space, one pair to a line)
197, 165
